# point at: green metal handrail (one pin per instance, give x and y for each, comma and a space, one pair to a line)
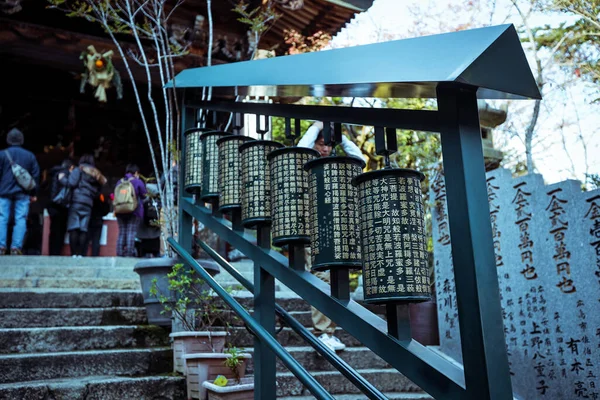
353, 376
290, 362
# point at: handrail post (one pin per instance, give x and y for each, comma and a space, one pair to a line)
265, 386
340, 283
398, 321
297, 257
188, 117
477, 294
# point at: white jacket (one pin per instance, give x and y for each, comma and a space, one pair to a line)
310, 137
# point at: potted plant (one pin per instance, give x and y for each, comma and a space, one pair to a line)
238, 388
219, 377
190, 305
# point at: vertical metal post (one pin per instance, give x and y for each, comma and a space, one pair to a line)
340, 283
479, 310
236, 220
188, 120
297, 257
398, 321
265, 385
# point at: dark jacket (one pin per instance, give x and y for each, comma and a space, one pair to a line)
99, 210
26, 159
86, 182
55, 184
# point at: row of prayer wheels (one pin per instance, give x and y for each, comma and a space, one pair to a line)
350, 219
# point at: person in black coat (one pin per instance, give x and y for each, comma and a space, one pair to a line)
58, 212
12, 195
85, 181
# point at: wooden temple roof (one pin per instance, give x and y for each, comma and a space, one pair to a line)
33, 34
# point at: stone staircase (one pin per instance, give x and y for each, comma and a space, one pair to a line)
77, 329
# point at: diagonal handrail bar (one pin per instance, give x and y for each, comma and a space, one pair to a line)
290, 362
353, 376
434, 374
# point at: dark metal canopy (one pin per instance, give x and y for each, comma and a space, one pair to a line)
490, 59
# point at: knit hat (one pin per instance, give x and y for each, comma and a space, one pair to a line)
15, 137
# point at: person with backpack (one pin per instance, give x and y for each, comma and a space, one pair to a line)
19, 174
60, 198
85, 181
129, 196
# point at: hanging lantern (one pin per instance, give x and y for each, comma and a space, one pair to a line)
290, 209
335, 235
230, 172
210, 164
193, 160
394, 243
256, 186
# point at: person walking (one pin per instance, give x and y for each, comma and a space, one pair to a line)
324, 327
129, 196
85, 182
58, 206
12, 194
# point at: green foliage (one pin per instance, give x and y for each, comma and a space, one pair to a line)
259, 19
234, 362
193, 302
592, 181
575, 46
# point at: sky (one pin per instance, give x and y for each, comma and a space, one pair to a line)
567, 141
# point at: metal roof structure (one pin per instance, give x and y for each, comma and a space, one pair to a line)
491, 59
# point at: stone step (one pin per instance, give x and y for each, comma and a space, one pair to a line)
357, 357
98, 388
386, 380
54, 317
45, 271
71, 283
69, 298
391, 396
66, 261
287, 337
130, 362
62, 339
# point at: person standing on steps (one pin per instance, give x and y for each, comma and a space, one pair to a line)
13, 197
129, 196
313, 139
85, 182
58, 212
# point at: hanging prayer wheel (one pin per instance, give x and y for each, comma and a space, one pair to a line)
290, 208
394, 241
256, 184
193, 160
210, 164
334, 233
230, 172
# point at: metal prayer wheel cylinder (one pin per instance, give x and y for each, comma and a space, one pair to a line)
394, 241
334, 231
256, 182
230, 172
290, 208
210, 164
193, 160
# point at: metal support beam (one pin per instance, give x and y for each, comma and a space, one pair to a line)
297, 257
340, 283
398, 320
418, 120
264, 312
188, 117
477, 294
437, 376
